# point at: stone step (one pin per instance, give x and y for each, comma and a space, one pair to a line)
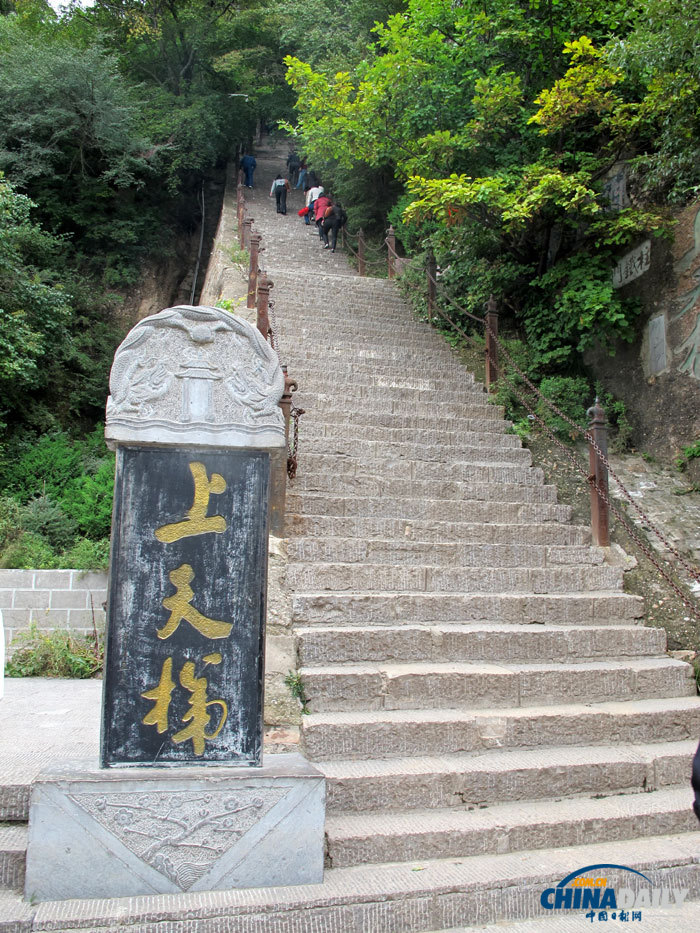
393, 487
368, 342
454, 554
377, 396
409, 360
430, 378
376, 528
402, 355
493, 424
416, 510
470, 439
327, 332
16, 915
401, 579
461, 685
362, 838
397, 897
460, 781
381, 312
510, 608
316, 465
328, 403
366, 734
371, 450
13, 848
659, 919
444, 642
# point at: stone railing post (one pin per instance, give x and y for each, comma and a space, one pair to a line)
598, 477
391, 252
185, 665
432, 290
255, 239
263, 304
361, 251
491, 350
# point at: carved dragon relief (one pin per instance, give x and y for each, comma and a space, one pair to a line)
180, 835
198, 371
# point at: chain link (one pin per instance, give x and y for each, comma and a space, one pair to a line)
293, 447
273, 326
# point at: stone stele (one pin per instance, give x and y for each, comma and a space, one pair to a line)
118, 833
195, 376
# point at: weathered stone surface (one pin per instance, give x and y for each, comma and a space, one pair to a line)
477, 686
357, 839
497, 776
125, 832
369, 608
198, 376
413, 733
187, 607
446, 642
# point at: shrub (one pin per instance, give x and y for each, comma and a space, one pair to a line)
54, 654
691, 452
86, 555
88, 500
42, 467
29, 552
42, 516
571, 394
10, 528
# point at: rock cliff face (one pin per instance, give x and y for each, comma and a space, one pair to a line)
658, 376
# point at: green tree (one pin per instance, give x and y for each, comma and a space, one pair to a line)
34, 309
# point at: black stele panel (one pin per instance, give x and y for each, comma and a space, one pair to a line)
186, 611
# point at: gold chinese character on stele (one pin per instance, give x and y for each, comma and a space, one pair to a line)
197, 522
180, 608
197, 714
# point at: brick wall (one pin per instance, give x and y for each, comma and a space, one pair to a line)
67, 599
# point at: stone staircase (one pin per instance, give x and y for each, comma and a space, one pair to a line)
487, 707
477, 681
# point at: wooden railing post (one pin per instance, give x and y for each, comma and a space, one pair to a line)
432, 290
255, 239
361, 251
491, 350
247, 230
598, 478
391, 252
263, 319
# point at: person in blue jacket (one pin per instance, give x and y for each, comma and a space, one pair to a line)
248, 164
695, 781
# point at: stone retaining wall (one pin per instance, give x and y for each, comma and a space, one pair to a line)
69, 599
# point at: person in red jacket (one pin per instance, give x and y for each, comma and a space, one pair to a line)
321, 205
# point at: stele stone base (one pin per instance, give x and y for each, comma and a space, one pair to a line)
97, 833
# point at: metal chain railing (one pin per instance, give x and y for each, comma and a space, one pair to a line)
293, 443
586, 434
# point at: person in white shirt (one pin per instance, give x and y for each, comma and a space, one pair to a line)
313, 194
280, 187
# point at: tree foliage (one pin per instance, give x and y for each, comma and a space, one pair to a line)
502, 120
